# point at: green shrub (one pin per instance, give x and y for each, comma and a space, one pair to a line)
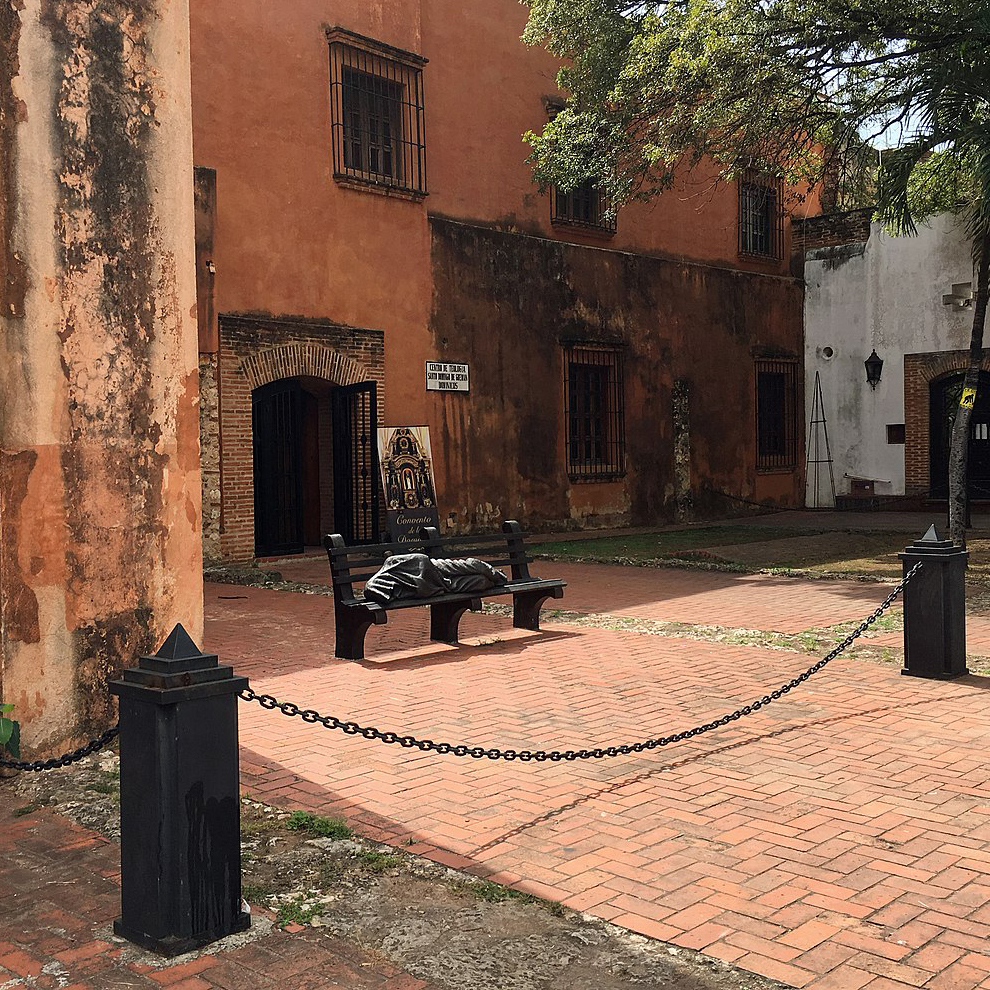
10, 733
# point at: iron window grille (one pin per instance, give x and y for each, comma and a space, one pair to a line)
776, 415
594, 413
586, 206
377, 118
761, 216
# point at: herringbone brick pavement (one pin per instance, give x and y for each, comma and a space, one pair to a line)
838, 839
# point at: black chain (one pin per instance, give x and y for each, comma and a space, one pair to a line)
555, 756
66, 758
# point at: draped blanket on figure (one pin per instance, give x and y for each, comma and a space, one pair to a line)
415, 575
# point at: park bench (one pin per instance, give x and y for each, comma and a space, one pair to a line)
350, 566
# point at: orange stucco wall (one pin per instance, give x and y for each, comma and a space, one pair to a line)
290, 241
100, 518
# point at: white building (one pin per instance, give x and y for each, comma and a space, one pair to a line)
907, 298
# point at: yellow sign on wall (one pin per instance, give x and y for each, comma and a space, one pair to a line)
968, 399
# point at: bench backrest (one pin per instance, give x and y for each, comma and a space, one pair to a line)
350, 566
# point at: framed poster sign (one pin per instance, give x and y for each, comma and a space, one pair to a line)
406, 460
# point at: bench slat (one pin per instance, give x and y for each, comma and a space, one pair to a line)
360, 562
381, 551
372, 550
475, 538
349, 577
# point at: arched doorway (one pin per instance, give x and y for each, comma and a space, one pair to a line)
944, 398
315, 463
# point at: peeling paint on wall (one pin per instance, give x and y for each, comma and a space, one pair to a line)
508, 303
20, 605
682, 447
100, 510
13, 273
111, 463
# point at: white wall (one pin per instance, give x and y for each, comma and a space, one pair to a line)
886, 294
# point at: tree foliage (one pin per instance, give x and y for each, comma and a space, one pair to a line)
802, 89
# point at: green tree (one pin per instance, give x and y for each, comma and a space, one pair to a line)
805, 90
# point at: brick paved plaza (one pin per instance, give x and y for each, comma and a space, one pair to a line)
839, 839
60, 894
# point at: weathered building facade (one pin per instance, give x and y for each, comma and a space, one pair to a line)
100, 528
364, 207
909, 301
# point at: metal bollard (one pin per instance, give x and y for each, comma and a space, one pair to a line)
180, 852
935, 609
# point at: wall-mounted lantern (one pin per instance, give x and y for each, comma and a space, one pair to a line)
874, 365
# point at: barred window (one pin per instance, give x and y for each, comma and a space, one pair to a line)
585, 206
776, 415
761, 216
377, 119
594, 414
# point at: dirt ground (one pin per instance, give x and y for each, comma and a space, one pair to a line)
441, 925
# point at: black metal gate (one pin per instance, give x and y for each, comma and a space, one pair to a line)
355, 462
278, 518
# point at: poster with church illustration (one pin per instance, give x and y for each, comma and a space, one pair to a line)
406, 460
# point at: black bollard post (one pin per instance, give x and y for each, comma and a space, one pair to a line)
935, 609
180, 852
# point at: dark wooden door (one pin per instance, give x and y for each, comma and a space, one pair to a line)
355, 462
278, 504
310, 465
944, 401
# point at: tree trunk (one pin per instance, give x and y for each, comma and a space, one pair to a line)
959, 449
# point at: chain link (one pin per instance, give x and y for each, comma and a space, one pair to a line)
554, 755
66, 758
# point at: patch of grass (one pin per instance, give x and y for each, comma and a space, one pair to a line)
854, 553
301, 911
252, 829
377, 862
317, 825
107, 783
656, 546
255, 893
495, 893
27, 809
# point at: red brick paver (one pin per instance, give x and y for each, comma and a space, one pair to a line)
840, 838
58, 896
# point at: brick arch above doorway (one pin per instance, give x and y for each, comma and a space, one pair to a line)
256, 351
920, 370
293, 360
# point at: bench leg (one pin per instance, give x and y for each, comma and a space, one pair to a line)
446, 616
351, 626
526, 607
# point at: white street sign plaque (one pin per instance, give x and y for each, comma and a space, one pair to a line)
442, 376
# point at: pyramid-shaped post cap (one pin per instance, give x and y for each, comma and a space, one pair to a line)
179, 671
177, 654
932, 543
178, 646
